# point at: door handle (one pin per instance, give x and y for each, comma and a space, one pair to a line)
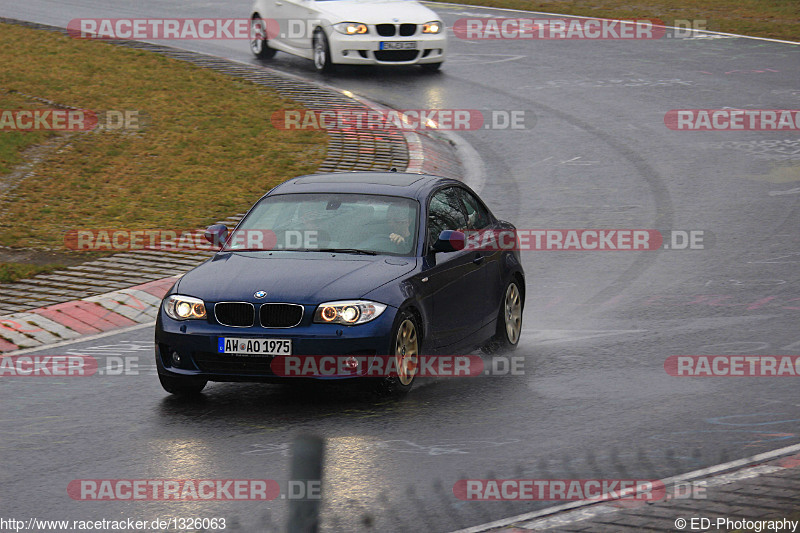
478, 259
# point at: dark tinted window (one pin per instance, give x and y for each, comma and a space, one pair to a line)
477, 216
445, 212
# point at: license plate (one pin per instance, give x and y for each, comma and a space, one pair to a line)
398, 45
255, 346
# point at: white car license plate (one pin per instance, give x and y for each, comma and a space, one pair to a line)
255, 346
398, 45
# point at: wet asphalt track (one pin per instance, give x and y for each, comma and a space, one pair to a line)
595, 400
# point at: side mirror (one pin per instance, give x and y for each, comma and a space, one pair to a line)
217, 234
450, 241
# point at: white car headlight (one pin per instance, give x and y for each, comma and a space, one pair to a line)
349, 312
351, 28
184, 307
432, 27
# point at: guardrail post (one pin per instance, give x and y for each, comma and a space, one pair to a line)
306, 475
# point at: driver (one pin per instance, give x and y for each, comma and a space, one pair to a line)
392, 234
399, 224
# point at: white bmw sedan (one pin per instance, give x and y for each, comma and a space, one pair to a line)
352, 32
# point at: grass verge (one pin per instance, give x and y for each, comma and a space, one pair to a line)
206, 151
775, 19
13, 143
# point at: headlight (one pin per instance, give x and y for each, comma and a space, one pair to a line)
184, 307
351, 28
349, 312
432, 27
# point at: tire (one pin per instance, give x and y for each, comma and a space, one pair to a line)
259, 45
431, 67
405, 347
509, 321
182, 385
322, 52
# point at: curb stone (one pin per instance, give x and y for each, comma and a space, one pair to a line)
95, 314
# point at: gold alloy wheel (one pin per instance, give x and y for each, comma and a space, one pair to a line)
406, 352
513, 313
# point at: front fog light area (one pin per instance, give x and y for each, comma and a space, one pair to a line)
181, 307
348, 313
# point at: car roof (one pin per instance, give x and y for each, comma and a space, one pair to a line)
386, 183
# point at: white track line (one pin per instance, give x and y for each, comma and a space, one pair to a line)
695, 474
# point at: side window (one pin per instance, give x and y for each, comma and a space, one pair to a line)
477, 216
445, 212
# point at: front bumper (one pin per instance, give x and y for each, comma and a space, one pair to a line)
365, 49
197, 344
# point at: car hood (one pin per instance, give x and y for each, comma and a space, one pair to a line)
285, 277
375, 12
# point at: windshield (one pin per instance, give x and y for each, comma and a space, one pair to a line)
347, 223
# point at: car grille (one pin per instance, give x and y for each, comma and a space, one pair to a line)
386, 30
396, 55
217, 363
390, 30
408, 29
236, 314
281, 315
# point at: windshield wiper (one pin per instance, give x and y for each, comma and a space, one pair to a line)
347, 251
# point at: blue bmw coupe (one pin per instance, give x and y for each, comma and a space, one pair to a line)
359, 264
